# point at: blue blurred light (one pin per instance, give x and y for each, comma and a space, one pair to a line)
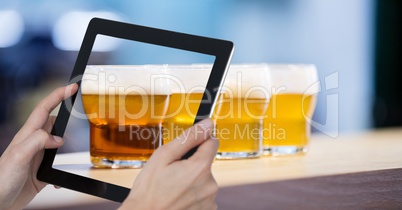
11, 28
69, 31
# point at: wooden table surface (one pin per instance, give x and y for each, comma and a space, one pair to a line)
362, 170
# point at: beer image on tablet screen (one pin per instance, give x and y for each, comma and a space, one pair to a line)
125, 106
240, 111
294, 90
188, 85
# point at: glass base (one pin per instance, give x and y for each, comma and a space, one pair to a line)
284, 150
112, 163
237, 155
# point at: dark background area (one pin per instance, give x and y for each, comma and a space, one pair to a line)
388, 64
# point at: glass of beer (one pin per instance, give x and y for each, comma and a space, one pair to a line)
125, 106
240, 111
188, 85
294, 89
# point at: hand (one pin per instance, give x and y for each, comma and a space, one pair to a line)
20, 161
166, 182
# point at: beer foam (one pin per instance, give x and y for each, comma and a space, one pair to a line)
127, 80
294, 78
247, 80
188, 78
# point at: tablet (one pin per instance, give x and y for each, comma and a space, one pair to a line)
221, 50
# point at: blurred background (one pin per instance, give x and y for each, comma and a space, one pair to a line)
355, 44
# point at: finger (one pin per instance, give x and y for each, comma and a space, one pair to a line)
206, 152
189, 139
40, 114
36, 142
49, 124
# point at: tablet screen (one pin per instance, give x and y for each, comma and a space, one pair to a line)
131, 101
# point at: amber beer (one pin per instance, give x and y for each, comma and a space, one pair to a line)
240, 111
125, 106
293, 100
188, 85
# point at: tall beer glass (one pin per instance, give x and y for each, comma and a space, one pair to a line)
240, 111
294, 89
125, 106
188, 86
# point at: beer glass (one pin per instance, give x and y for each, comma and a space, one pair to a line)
240, 111
188, 85
293, 100
125, 106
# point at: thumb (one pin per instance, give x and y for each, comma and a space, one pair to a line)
189, 139
207, 151
36, 142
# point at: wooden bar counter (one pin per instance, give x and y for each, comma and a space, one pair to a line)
352, 171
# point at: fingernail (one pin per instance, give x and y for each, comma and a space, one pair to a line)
208, 126
71, 86
214, 138
57, 139
206, 123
